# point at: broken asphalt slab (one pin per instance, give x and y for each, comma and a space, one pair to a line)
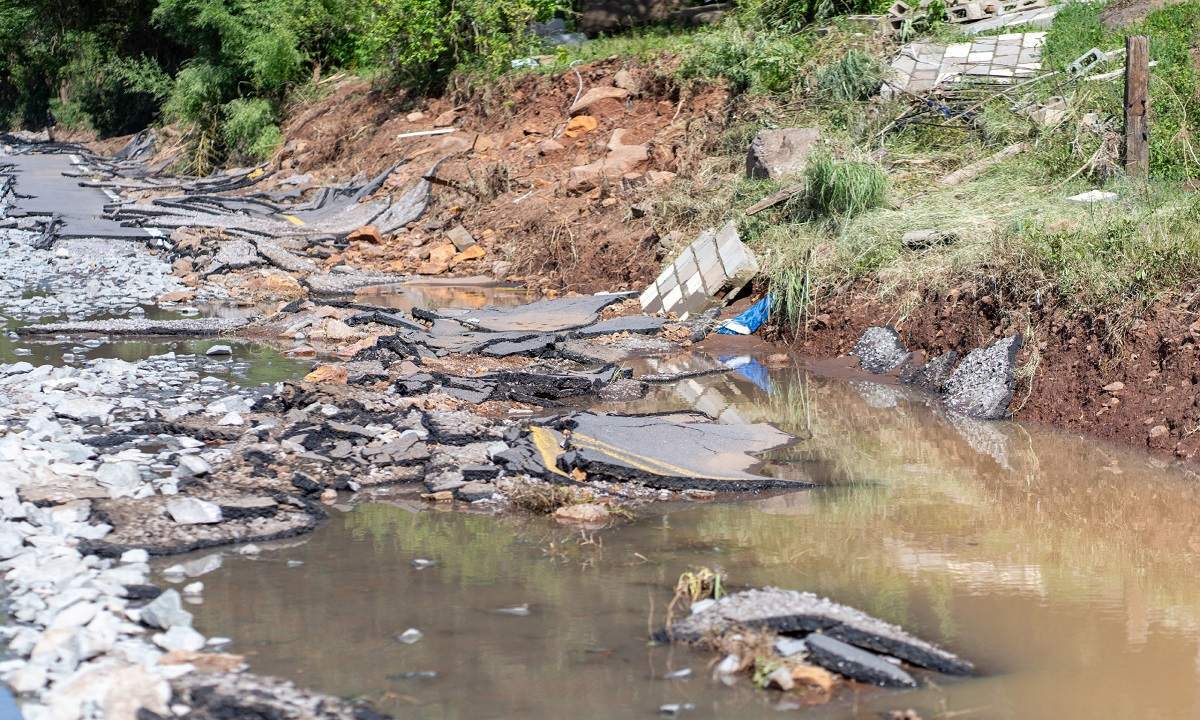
547, 316
672, 451
789, 612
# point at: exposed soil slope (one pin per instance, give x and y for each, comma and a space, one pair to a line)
1142, 392
554, 202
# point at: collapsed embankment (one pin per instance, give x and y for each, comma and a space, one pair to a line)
1130, 383
511, 175
548, 173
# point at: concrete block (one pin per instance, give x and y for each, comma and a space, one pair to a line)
778, 153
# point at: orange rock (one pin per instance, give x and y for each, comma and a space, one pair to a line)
472, 253
814, 677
586, 513
622, 158
366, 233
332, 374
446, 119
443, 496
205, 662
580, 125
177, 296
439, 260
595, 95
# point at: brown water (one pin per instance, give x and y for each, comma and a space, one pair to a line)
1065, 569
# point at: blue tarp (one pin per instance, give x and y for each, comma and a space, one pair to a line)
749, 321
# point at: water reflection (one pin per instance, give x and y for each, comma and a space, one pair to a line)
1065, 569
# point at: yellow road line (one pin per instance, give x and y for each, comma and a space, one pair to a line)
543, 440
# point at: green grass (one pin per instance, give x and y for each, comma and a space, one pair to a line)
1174, 99
844, 188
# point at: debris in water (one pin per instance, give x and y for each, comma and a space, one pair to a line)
410, 636
518, 610
796, 625
678, 674
674, 709
422, 563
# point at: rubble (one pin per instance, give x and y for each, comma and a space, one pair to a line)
1003, 59
707, 273
836, 637
674, 451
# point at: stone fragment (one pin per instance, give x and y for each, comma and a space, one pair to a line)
461, 237
332, 374
219, 350
595, 95
166, 611
366, 233
179, 637
776, 154
585, 513
192, 466
879, 350
193, 511
982, 385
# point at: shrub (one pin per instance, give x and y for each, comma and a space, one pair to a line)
844, 188
856, 76
425, 40
754, 60
249, 129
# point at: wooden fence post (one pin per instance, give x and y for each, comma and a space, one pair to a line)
1137, 83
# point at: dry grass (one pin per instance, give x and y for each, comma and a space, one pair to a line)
544, 498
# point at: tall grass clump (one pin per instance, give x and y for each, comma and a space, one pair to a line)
855, 76
844, 188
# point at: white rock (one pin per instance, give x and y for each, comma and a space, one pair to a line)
219, 350
77, 615
193, 511
122, 479
179, 638
28, 679
192, 466
135, 556
1093, 196
166, 611
232, 418
193, 588
83, 409
11, 543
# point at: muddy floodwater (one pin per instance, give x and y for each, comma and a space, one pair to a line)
1064, 569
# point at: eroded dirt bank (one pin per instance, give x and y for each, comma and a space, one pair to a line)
1074, 375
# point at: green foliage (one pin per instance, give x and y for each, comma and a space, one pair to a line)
856, 76
1174, 82
790, 15
425, 40
249, 129
748, 59
844, 188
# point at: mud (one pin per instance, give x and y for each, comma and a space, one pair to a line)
1152, 373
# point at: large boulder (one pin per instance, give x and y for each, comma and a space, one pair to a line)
982, 385
777, 153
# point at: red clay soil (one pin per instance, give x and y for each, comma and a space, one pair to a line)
504, 172
1142, 393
